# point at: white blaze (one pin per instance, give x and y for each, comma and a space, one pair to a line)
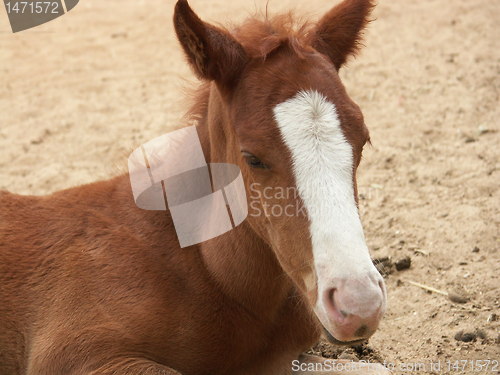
323, 168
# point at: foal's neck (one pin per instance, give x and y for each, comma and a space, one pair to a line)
247, 272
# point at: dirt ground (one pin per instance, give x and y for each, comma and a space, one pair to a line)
78, 93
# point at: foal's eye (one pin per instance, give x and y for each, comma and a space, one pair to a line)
254, 161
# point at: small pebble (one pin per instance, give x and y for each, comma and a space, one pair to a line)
457, 298
475, 249
403, 263
465, 336
483, 130
492, 318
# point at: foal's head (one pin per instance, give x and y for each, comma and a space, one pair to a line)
298, 138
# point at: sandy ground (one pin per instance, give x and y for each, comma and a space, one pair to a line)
78, 93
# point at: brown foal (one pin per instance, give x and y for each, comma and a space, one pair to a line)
91, 284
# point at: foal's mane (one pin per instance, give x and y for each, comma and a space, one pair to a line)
260, 35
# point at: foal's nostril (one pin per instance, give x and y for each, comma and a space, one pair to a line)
333, 308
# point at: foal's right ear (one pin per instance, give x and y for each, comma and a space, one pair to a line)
212, 52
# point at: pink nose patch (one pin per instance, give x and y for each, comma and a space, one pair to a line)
355, 307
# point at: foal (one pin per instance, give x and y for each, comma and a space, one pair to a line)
90, 284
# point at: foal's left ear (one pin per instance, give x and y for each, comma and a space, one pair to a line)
338, 33
212, 52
